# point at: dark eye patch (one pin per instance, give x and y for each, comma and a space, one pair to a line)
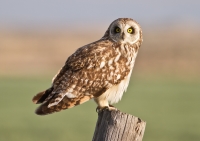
117, 29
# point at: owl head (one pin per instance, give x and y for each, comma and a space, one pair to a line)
124, 30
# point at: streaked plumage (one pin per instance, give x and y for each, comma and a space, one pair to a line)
100, 70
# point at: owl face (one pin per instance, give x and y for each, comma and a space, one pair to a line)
125, 31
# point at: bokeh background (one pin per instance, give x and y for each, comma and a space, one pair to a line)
36, 37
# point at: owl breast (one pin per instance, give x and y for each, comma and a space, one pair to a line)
123, 64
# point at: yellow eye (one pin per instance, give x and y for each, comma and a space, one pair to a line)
130, 30
117, 29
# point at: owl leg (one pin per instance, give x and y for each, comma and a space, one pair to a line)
103, 105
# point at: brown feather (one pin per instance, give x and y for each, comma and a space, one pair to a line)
66, 103
41, 96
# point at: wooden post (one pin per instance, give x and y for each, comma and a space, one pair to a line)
118, 126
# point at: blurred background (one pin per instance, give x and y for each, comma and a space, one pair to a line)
36, 37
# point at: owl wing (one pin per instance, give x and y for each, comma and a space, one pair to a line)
87, 73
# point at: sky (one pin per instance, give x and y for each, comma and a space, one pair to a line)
22, 13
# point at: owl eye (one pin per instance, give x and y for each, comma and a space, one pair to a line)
117, 29
130, 30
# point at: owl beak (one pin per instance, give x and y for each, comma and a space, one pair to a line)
123, 36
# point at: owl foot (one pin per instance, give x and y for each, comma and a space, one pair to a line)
110, 108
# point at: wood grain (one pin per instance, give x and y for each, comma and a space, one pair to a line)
118, 126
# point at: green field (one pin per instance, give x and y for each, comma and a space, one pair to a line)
170, 106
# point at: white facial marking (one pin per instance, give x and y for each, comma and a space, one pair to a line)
130, 36
123, 36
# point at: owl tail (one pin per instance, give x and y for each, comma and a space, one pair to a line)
40, 97
65, 103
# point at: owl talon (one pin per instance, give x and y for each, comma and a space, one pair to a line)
110, 108
97, 109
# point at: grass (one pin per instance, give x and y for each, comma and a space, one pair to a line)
169, 105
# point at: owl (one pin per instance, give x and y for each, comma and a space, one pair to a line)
100, 70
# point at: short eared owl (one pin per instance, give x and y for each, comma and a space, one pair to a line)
100, 70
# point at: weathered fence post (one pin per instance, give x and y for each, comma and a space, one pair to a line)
118, 126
